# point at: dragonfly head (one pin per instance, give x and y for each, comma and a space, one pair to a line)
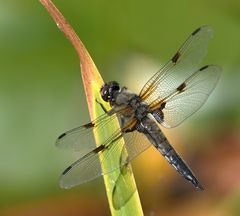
108, 89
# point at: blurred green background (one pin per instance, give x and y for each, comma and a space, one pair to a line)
41, 96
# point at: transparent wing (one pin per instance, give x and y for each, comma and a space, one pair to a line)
81, 139
187, 98
124, 189
91, 165
180, 67
88, 167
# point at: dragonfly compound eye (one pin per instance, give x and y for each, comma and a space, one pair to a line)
113, 87
105, 92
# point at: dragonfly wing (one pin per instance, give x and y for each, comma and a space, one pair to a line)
135, 144
82, 139
187, 98
93, 164
180, 67
123, 190
89, 166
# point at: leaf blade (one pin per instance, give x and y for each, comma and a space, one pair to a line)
93, 81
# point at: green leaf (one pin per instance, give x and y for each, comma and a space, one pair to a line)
120, 185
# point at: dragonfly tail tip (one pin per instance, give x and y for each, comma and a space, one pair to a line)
199, 186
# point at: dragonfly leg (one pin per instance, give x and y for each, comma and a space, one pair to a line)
102, 106
122, 121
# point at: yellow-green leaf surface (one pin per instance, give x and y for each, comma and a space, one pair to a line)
123, 199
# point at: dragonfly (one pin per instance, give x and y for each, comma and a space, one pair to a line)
176, 91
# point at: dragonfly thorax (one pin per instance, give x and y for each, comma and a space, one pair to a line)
141, 108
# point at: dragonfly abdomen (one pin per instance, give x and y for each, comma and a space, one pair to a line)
160, 142
177, 162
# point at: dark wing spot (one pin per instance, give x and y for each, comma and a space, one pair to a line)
181, 87
62, 135
66, 170
162, 106
99, 148
204, 67
196, 31
176, 57
89, 125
